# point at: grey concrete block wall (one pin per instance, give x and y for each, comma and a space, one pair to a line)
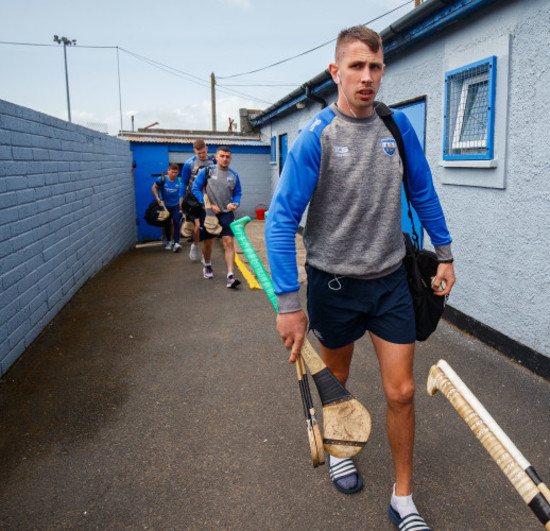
67, 208
253, 171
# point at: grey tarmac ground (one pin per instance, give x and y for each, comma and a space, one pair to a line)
161, 400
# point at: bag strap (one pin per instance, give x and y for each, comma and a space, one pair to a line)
385, 114
162, 179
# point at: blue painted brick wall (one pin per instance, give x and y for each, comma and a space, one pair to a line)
67, 208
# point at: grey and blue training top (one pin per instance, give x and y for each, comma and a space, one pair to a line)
223, 187
191, 169
350, 173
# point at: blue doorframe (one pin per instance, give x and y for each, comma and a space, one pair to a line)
283, 151
416, 113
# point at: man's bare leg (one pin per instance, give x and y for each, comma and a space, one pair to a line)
338, 361
229, 252
196, 231
396, 367
207, 250
343, 473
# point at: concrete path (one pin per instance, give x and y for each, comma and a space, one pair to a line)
161, 400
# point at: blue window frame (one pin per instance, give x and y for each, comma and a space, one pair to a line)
470, 111
273, 149
283, 150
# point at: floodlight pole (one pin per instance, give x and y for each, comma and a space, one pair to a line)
66, 42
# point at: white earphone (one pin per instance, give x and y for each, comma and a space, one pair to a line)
347, 101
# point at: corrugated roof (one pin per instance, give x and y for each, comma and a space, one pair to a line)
185, 137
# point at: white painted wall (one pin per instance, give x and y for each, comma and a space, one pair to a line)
499, 218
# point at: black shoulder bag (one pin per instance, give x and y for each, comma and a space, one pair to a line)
155, 214
421, 265
190, 205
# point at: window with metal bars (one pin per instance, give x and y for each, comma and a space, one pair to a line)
469, 111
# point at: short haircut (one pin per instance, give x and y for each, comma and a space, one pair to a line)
358, 33
174, 166
199, 144
224, 149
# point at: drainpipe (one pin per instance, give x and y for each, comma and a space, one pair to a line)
312, 97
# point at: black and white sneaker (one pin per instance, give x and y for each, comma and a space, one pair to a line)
232, 282
207, 271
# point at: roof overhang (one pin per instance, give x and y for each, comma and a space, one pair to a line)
424, 21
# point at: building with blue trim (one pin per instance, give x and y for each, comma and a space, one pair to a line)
154, 149
473, 78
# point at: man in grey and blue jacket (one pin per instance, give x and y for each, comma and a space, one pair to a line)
346, 167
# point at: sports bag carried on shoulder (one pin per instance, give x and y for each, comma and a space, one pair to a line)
156, 214
190, 205
421, 265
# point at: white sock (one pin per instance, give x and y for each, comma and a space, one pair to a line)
404, 505
345, 474
336, 460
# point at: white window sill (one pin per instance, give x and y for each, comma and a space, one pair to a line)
468, 163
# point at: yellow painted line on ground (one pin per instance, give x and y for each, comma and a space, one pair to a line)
250, 278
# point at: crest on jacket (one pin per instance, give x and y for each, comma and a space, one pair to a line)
389, 145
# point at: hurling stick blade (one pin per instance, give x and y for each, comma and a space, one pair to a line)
524, 485
346, 422
307, 412
316, 430
318, 442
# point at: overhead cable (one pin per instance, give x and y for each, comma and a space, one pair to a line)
308, 51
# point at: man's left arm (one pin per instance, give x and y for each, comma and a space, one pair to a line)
237, 193
198, 185
426, 203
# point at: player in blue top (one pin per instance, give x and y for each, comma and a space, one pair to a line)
189, 173
223, 188
344, 165
169, 193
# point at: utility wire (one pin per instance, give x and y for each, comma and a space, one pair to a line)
264, 85
53, 45
205, 83
166, 68
308, 51
187, 76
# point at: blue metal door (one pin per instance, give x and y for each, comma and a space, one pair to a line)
150, 163
416, 113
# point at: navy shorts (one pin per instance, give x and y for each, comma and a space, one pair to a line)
342, 309
225, 219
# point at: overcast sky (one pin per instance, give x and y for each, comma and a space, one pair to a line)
186, 40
